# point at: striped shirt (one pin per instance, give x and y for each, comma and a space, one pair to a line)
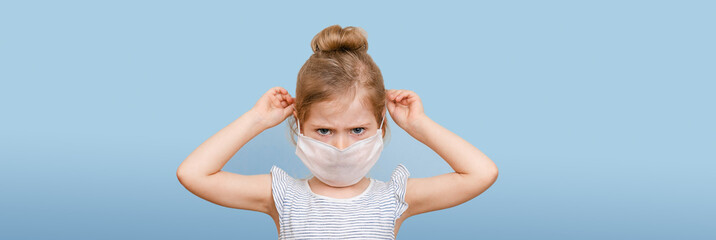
304, 214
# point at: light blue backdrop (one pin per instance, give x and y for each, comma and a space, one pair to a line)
599, 115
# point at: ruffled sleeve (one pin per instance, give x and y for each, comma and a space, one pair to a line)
398, 183
280, 181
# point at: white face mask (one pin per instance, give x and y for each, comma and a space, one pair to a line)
340, 168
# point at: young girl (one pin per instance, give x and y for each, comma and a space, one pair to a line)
339, 117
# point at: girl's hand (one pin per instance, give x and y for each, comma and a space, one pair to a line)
273, 107
405, 108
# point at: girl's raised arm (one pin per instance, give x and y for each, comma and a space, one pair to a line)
201, 171
474, 172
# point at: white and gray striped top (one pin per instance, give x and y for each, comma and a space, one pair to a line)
304, 214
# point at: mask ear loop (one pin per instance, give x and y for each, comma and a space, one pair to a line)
381, 121
297, 122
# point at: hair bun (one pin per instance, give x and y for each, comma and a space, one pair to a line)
335, 38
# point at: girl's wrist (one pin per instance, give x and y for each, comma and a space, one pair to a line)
255, 120
418, 126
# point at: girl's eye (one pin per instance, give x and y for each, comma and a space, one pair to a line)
323, 131
358, 131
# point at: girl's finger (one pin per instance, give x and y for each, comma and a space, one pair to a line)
406, 93
275, 90
391, 106
288, 110
398, 95
285, 96
411, 98
391, 94
275, 101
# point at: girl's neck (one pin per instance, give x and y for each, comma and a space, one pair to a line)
323, 189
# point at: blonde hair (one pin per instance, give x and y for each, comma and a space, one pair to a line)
339, 69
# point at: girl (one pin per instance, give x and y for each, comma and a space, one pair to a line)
338, 116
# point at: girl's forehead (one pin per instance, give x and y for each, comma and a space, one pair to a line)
339, 113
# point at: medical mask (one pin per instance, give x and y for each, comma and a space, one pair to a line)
340, 168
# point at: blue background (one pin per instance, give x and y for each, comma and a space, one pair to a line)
599, 115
